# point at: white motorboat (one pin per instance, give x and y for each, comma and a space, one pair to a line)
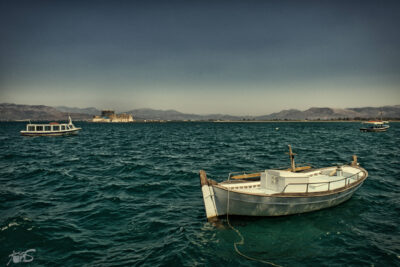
375, 126
50, 129
281, 192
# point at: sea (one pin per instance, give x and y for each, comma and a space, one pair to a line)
129, 195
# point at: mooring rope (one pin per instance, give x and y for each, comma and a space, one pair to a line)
241, 242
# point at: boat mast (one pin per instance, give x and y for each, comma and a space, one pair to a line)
293, 165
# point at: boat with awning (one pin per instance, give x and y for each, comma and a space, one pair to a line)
375, 126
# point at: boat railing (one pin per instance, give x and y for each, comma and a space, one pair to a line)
346, 179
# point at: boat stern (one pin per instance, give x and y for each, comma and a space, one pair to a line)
208, 196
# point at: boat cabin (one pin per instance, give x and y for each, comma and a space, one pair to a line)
51, 127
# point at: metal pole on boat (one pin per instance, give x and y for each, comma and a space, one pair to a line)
292, 159
354, 162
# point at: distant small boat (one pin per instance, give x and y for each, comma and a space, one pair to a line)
281, 192
50, 129
375, 126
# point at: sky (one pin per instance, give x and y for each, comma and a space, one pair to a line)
233, 57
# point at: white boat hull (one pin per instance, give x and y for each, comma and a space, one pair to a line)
253, 205
372, 129
60, 133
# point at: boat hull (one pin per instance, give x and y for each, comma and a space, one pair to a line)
374, 129
258, 205
60, 133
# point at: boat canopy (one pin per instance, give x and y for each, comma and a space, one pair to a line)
375, 122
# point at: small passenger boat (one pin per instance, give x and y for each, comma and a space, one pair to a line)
375, 126
278, 192
50, 129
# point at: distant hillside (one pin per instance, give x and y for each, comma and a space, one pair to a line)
290, 114
373, 112
389, 112
10, 112
90, 111
153, 114
13, 112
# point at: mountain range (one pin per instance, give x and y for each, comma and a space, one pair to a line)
13, 112
154, 114
389, 112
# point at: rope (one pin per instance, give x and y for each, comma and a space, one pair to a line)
241, 242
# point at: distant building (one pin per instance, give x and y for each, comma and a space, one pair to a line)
110, 116
107, 113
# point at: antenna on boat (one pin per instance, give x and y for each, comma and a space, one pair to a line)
291, 155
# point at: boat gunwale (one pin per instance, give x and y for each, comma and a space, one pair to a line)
50, 132
300, 194
373, 129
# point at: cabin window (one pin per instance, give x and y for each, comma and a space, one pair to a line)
56, 128
47, 128
39, 128
31, 128
63, 127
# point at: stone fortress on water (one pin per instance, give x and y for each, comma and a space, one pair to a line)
110, 116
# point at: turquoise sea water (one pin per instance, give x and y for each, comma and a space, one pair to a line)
129, 195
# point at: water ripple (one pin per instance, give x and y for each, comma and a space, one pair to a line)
129, 194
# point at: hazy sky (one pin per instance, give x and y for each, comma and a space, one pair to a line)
238, 57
